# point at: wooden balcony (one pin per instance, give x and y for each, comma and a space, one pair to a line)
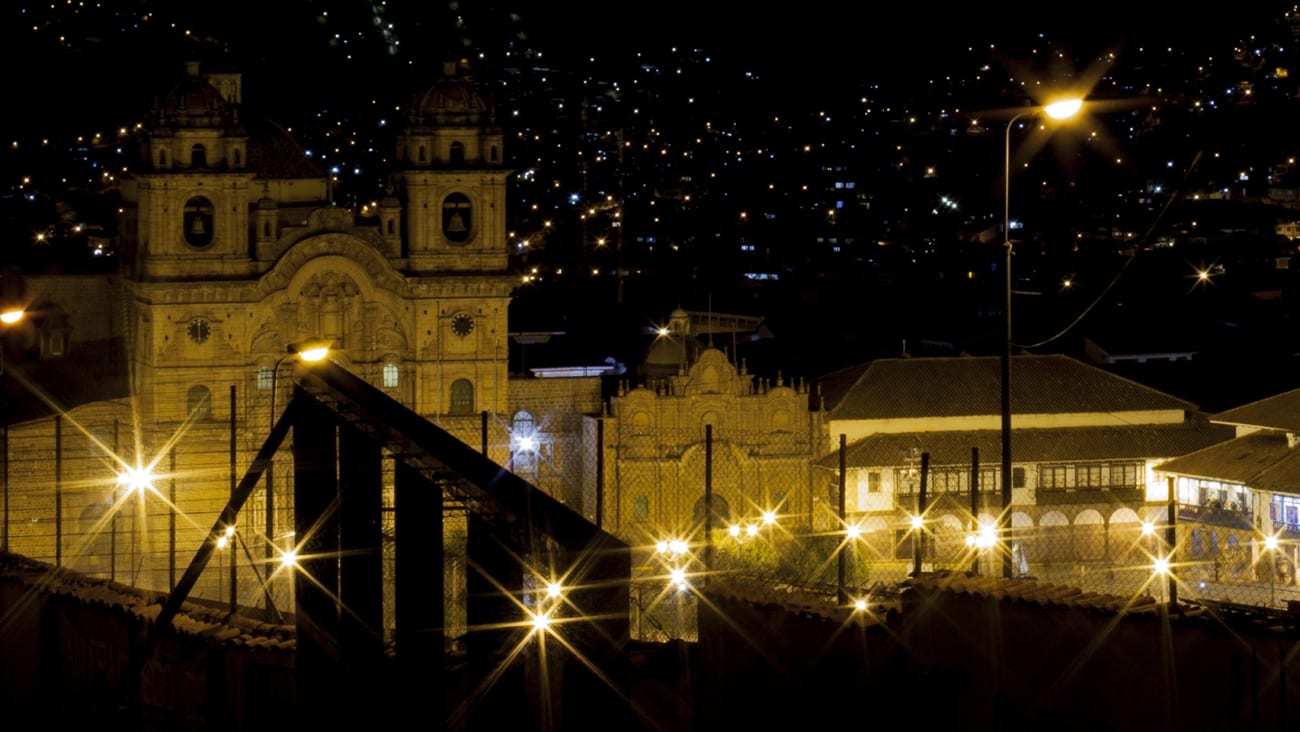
1217, 515
1111, 495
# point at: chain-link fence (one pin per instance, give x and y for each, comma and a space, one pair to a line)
724, 501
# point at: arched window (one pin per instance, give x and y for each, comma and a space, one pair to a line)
239, 159
457, 154
162, 158
198, 157
390, 376
198, 402
457, 216
421, 154
198, 221
266, 229
524, 445
391, 226
462, 397
265, 378
492, 153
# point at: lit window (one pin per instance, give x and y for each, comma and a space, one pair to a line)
390, 376
641, 508
462, 397
265, 378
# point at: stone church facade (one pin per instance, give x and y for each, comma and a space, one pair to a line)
231, 253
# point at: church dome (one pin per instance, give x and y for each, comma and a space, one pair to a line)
453, 102
194, 103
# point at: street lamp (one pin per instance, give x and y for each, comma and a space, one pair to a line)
310, 352
1057, 110
8, 317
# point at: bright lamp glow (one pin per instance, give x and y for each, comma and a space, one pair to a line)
1148, 528
11, 316
1063, 109
554, 590
769, 517
136, 479
917, 522
1270, 542
678, 577
314, 354
289, 558
853, 531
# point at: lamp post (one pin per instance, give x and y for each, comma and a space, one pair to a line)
310, 351
1057, 110
7, 318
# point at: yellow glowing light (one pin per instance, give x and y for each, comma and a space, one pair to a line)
314, 354
733, 530
136, 479
1063, 109
677, 546
11, 316
751, 530
1270, 542
222, 541
554, 590
678, 577
1148, 528
769, 517
289, 558
1162, 565
541, 622
853, 531
860, 605
917, 522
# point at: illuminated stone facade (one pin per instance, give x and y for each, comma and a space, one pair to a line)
231, 251
696, 421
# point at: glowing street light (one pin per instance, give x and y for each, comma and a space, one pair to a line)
136, 480
7, 318
1057, 110
309, 352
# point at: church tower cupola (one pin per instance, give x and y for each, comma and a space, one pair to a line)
452, 177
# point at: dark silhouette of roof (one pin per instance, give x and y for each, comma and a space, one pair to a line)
1135, 442
1280, 411
902, 388
1263, 460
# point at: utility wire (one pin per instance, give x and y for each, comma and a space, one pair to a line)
1146, 236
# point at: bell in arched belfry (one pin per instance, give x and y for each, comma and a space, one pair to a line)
456, 224
198, 227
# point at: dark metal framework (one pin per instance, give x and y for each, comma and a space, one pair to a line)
518, 536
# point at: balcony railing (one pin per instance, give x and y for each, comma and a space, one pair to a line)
1121, 494
1238, 518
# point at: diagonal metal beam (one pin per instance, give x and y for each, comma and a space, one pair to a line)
227, 517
